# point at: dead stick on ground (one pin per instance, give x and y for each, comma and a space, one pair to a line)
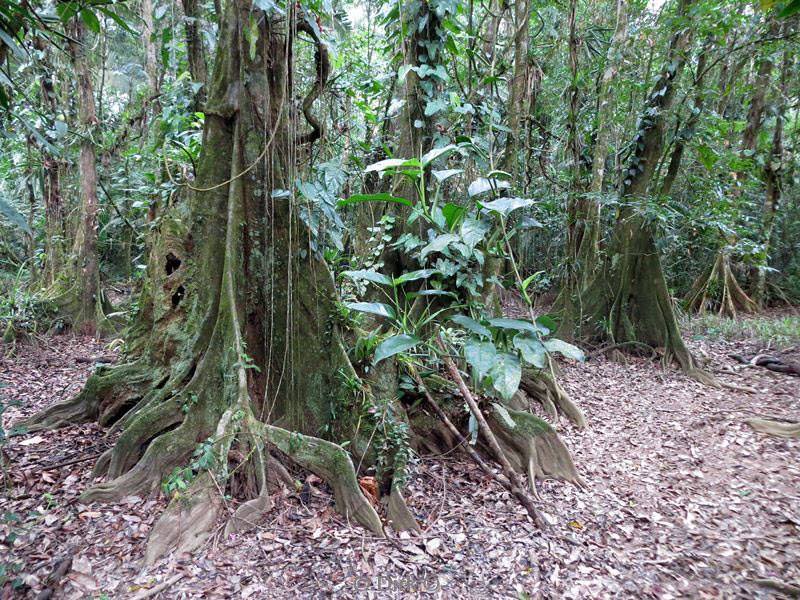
517, 488
159, 588
780, 586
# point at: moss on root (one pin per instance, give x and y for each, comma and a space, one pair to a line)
533, 447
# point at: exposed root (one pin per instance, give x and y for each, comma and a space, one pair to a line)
248, 514
81, 408
776, 428
167, 451
534, 447
330, 462
508, 470
543, 387
397, 513
187, 522
106, 394
717, 289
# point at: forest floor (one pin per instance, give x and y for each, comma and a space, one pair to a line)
684, 501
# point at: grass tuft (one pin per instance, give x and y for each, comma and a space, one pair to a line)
771, 331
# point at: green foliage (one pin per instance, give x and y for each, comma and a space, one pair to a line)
768, 331
180, 478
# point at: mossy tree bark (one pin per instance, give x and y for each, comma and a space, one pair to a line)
772, 174
627, 299
234, 352
232, 348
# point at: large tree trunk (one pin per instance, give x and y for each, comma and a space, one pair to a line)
588, 250
148, 31
576, 205
84, 302
51, 179
235, 350
518, 91
627, 301
195, 50
772, 174
584, 228
234, 331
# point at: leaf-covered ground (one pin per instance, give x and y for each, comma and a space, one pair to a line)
685, 500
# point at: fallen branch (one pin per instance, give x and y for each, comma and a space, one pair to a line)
776, 428
473, 454
110, 358
159, 588
769, 362
517, 487
779, 586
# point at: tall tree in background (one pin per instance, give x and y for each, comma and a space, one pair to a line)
773, 168
518, 90
82, 300
628, 299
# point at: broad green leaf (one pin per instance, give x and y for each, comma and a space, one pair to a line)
473, 231
414, 276
527, 222
482, 185
506, 205
445, 174
548, 322
432, 293
116, 18
515, 324
564, 348
502, 412
790, 9
395, 345
499, 174
452, 213
480, 356
91, 20
392, 163
432, 155
527, 281
439, 243
375, 308
60, 128
9, 41
434, 106
506, 373
372, 276
471, 325
13, 215
532, 350
373, 198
